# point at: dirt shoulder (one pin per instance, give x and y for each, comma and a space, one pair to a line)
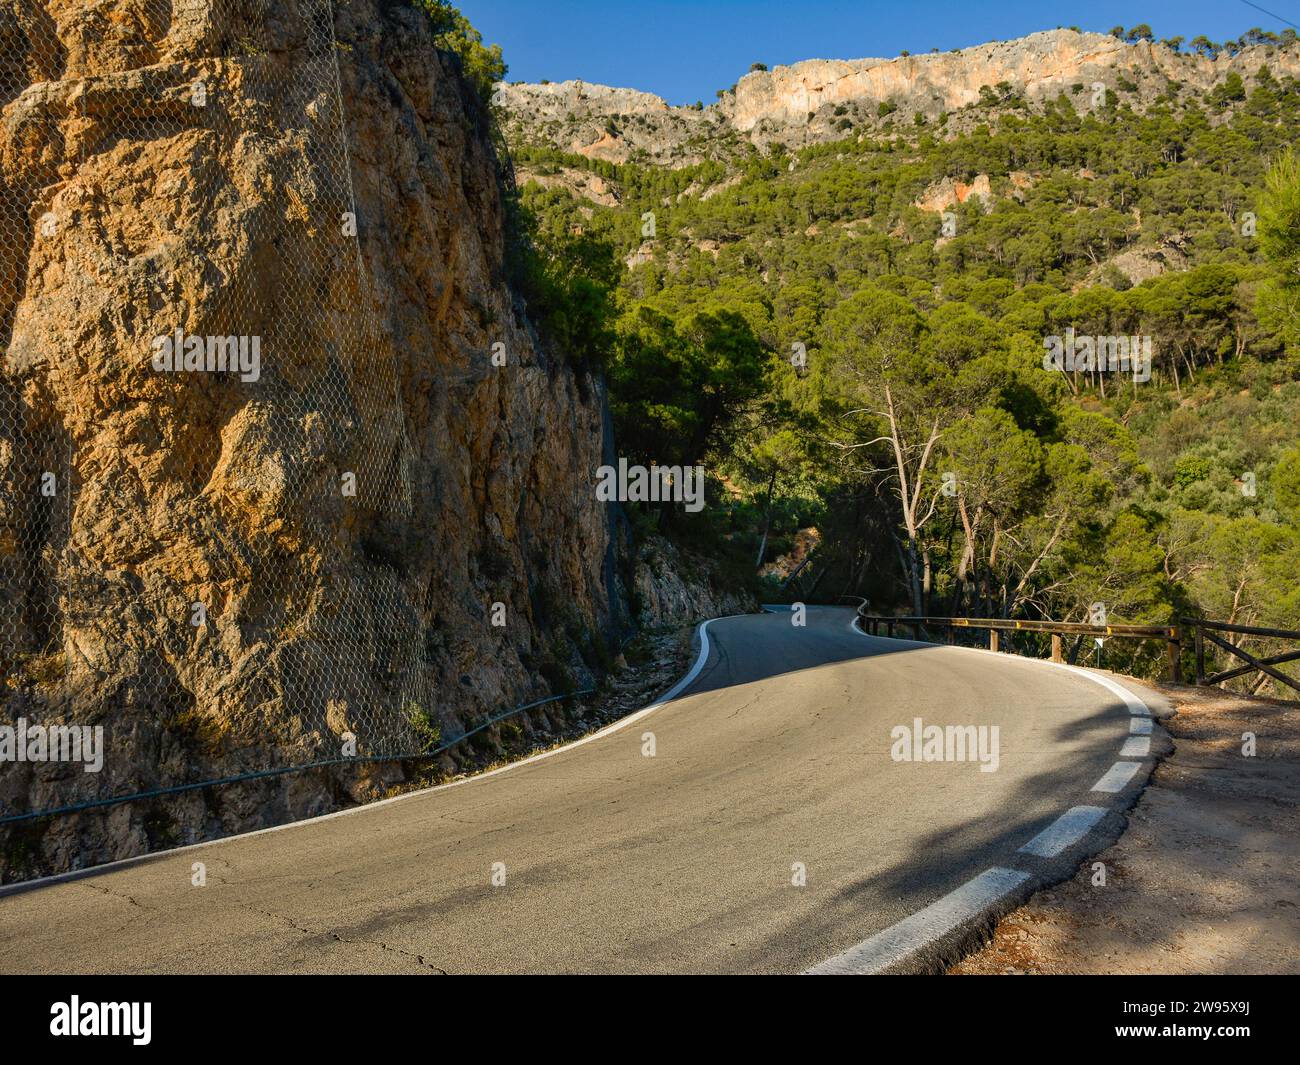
1206, 879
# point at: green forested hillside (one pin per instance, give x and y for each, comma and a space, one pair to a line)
846, 346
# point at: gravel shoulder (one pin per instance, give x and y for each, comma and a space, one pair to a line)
1205, 880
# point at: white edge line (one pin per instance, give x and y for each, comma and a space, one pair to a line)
1064, 832
612, 727
1133, 704
1136, 747
900, 941
1117, 777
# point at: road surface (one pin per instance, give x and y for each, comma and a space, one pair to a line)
777, 757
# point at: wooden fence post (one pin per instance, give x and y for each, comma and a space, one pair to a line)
1199, 640
1057, 656
993, 639
1174, 656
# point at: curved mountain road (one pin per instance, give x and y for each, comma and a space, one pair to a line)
778, 753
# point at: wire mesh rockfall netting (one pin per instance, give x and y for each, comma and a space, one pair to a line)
202, 452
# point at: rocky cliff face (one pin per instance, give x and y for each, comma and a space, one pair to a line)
1039, 66
233, 565
810, 102
673, 587
604, 123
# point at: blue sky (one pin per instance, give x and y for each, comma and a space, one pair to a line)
684, 50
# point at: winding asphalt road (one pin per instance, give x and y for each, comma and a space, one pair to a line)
777, 753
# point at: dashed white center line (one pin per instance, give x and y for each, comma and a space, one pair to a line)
925, 926
1064, 832
1117, 776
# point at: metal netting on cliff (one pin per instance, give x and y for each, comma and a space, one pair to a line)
202, 453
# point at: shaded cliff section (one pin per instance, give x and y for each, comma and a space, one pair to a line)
383, 535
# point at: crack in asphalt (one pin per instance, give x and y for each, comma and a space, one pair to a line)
419, 958
411, 955
111, 894
121, 898
746, 705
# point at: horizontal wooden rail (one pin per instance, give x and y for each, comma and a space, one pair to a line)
1203, 631
1069, 628
1248, 630
1170, 634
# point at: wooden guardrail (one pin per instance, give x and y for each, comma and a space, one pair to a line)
1170, 634
1203, 631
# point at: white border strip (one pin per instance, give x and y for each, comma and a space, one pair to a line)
1136, 747
900, 940
1065, 831
1117, 777
615, 726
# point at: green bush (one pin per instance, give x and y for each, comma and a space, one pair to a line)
483, 65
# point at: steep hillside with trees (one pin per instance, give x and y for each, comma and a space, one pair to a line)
855, 337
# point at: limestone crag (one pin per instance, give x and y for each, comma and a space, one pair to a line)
241, 571
820, 99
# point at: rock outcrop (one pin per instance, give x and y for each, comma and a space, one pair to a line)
1039, 66
947, 193
672, 587
604, 123
234, 570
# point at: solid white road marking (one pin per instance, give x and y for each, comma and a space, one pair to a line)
1117, 776
1065, 831
1132, 703
1140, 726
621, 723
903, 939
1136, 747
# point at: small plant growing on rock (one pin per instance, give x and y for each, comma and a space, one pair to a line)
427, 731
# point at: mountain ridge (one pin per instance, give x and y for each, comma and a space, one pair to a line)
816, 100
